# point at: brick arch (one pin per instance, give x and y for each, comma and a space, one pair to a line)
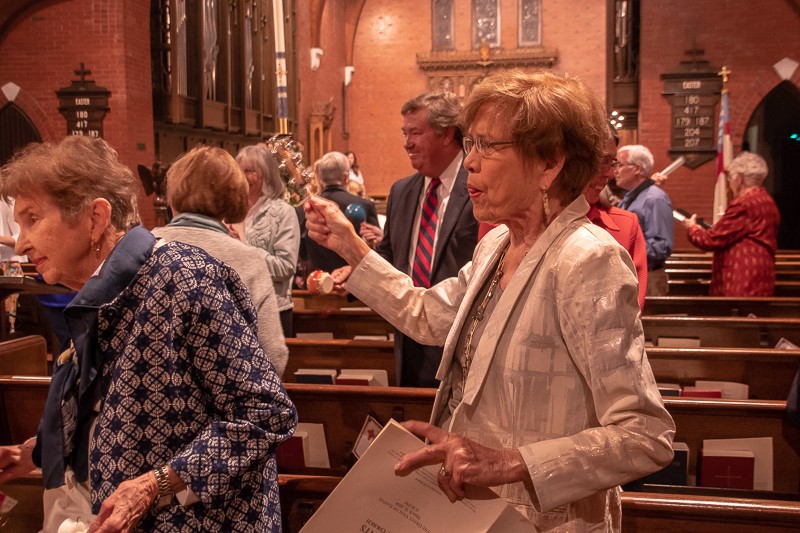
46, 127
759, 87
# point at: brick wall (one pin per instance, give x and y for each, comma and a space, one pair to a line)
112, 39
747, 37
391, 33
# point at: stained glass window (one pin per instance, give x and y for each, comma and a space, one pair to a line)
442, 17
530, 22
485, 22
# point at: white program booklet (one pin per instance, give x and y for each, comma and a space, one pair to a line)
371, 497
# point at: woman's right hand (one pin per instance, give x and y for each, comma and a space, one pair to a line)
328, 227
16, 461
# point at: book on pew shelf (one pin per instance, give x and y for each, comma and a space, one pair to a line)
727, 469
371, 338
315, 335
317, 445
675, 473
369, 431
678, 342
363, 376
669, 389
730, 389
325, 376
785, 344
760, 447
294, 452
371, 497
696, 392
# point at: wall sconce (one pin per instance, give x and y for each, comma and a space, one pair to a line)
316, 55
348, 75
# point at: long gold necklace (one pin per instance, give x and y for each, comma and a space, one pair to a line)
477, 317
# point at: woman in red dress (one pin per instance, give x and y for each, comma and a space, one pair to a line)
744, 240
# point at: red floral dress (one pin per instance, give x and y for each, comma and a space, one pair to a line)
744, 241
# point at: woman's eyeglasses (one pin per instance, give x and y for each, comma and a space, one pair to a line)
482, 146
612, 163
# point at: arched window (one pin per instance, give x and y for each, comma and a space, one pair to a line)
18, 131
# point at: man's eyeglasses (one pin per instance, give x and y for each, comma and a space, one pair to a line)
484, 147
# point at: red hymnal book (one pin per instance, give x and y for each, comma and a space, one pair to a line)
291, 454
727, 469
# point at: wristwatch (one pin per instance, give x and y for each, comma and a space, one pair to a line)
165, 492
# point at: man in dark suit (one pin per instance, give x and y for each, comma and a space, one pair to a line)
433, 144
332, 171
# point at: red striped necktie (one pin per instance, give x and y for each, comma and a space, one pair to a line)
423, 258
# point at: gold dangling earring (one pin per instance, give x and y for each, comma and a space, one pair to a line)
96, 246
545, 203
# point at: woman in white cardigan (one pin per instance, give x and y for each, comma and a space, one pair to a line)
271, 224
546, 393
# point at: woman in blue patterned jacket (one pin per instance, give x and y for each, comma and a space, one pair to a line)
166, 413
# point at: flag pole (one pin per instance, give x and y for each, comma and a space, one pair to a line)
724, 149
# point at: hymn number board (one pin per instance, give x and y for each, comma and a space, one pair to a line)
84, 105
693, 101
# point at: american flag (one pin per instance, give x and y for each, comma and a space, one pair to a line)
724, 154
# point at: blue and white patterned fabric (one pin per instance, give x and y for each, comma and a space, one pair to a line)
184, 382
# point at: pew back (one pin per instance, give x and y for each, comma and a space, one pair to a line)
25, 356
788, 307
768, 372
339, 354
744, 332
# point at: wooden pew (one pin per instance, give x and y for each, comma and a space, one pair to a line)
342, 410
775, 307
307, 300
723, 331
301, 495
734, 332
648, 512
694, 253
700, 287
338, 354
343, 323
707, 262
784, 274
24, 356
697, 419
22, 400
767, 371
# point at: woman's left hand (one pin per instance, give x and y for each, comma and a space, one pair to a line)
126, 506
463, 461
689, 222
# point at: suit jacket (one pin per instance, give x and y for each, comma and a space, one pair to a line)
458, 230
559, 373
318, 256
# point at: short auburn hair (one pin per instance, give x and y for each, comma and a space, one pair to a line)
206, 180
548, 115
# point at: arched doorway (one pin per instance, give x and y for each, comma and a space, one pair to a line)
774, 133
16, 131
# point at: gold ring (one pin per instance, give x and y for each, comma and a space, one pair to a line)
444, 472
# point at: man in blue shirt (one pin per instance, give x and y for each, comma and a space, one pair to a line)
653, 208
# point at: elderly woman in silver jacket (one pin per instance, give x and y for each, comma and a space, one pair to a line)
546, 393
